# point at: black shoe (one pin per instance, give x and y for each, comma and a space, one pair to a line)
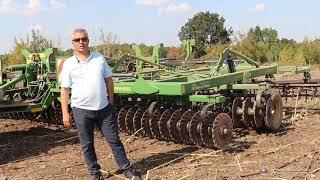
131, 175
98, 177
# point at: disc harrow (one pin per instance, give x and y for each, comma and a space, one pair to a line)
129, 119
203, 107
164, 132
154, 124
198, 106
182, 126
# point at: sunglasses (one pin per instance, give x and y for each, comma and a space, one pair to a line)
85, 39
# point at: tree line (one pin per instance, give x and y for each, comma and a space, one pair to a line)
211, 36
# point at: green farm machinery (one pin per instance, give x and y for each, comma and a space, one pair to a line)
31, 90
197, 106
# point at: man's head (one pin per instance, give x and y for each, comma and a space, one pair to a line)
80, 40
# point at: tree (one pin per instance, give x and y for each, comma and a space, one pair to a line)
38, 42
175, 52
207, 29
15, 57
268, 37
311, 51
263, 45
248, 45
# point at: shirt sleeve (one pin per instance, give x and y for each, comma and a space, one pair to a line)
65, 77
107, 71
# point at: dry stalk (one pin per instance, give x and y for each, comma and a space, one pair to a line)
184, 177
67, 139
200, 157
295, 110
210, 163
249, 174
74, 165
160, 159
163, 165
215, 176
291, 161
200, 164
237, 160
314, 171
129, 139
190, 154
280, 133
309, 164
270, 178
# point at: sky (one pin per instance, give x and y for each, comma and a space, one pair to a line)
150, 21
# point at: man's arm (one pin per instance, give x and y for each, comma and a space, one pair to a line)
64, 97
109, 84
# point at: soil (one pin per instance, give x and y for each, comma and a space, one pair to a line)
34, 150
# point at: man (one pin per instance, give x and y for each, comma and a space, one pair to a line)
88, 76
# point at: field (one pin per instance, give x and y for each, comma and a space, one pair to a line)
34, 150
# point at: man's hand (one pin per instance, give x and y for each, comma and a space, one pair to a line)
110, 89
67, 122
64, 96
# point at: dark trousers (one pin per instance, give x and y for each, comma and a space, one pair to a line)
106, 122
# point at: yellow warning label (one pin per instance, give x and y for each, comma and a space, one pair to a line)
122, 89
36, 110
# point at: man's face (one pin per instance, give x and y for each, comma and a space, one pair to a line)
80, 42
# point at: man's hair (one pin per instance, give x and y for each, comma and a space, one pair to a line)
80, 30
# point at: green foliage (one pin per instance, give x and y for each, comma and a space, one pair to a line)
311, 51
213, 52
249, 46
15, 57
66, 53
37, 43
207, 29
4, 58
108, 44
260, 44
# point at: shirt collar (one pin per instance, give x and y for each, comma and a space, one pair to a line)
84, 62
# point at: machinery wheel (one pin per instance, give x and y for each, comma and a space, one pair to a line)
237, 112
246, 117
274, 110
164, 132
259, 99
137, 120
145, 123
129, 119
193, 129
258, 115
182, 126
205, 130
172, 125
227, 106
121, 118
153, 122
222, 131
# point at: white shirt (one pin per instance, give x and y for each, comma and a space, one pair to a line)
86, 80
